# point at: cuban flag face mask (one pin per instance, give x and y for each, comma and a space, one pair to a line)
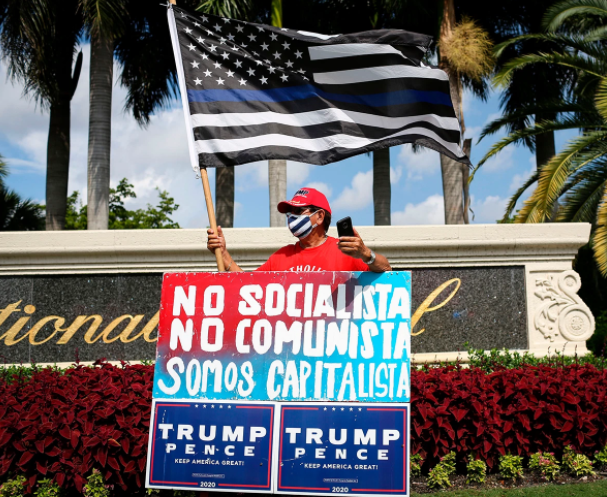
300, 226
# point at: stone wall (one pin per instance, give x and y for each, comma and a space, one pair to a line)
91, 294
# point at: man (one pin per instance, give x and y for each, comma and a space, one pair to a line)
309, 217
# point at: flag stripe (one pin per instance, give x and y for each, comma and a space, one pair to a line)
313, 144
378, 73
308, 156
326, 130
349, 50
318, 117
360, 62
312, 104
305, 92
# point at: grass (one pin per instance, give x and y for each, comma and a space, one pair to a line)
594, 489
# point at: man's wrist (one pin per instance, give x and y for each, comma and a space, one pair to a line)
370, 257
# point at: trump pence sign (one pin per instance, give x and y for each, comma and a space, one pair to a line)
282, 382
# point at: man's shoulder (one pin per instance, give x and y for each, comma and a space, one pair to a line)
286, 250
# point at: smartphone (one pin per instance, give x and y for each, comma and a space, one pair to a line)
344, 227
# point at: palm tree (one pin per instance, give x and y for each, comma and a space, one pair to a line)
39, 41
574, 181
465, 55
277, 169
531, 85
224, 176
105, 21
17, 214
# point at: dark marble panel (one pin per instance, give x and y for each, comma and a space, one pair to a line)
67, 298
487, 310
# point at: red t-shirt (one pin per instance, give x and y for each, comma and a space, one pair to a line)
325, 257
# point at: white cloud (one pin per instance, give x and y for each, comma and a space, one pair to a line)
519, 179
430, 211
419, 165
358, 195
395, 174
297, 173
503, 160
17, 166
488, 210
321, 187
251, 176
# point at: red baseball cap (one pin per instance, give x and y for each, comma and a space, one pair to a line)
304, 197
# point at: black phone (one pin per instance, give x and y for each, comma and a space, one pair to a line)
344, 227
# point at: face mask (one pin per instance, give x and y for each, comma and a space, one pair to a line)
300, 226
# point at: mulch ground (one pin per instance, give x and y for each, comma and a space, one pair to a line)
458, 482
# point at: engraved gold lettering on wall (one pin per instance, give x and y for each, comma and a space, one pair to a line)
77, 323
126, 335
425, 305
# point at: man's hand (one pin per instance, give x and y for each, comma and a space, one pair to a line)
216, 241
354, 247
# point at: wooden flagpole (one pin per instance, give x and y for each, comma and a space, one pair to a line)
209, 201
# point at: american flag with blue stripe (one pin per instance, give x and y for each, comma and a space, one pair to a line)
255, 92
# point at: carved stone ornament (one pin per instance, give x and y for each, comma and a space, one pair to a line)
560, 309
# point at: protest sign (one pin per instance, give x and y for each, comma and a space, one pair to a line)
211, 445
328, 448
237, 356
285, 336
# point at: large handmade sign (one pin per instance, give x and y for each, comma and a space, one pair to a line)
284, 336
283, 382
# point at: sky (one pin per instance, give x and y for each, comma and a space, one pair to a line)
157, 157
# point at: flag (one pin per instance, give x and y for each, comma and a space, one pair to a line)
255, 92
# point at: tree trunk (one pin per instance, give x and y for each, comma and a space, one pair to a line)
465, 178
381, 187
277, 169
100, 133
277, 175
544, 143
57, 163
224, 196
451, 170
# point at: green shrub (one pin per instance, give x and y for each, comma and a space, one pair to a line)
477, 471
576, 464
600, 457
95, 486
494, 359
546, 464
448, 462
438, 477
511, 467
47, 488
416, 464
13, 488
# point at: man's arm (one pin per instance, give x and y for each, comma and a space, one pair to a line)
355, 247
217, 241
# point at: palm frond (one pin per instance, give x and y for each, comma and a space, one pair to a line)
595, 67
600, 100
554, 175
599, 240
581, 202
559, 124
558, 13
105, 17
234, 9
519, 193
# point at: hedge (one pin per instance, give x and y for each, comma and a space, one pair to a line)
63, 424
